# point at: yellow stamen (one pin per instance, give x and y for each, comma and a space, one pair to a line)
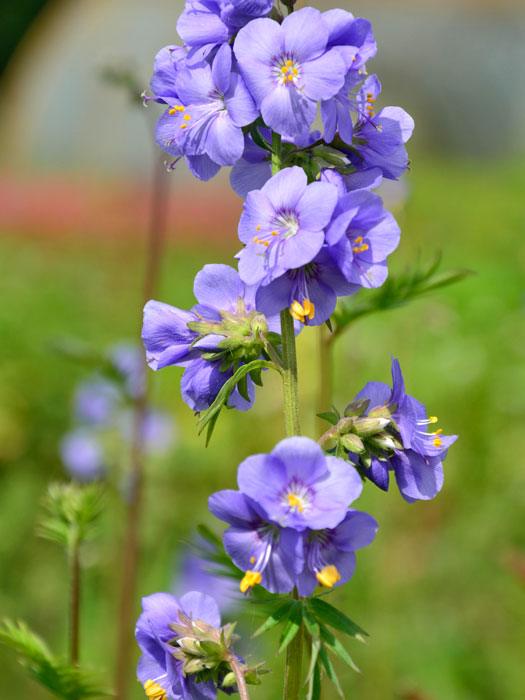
177, 108
251, 579
258, 227
433, 419
154, 691
275, 233
252, 560
437, 442
183, 126
301, 312
296, 502
187, 117
361, 248
328, 576
358, 240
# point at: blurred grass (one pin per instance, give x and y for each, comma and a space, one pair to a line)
437, 592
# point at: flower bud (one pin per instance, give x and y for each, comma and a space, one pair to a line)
353, 443
365, 427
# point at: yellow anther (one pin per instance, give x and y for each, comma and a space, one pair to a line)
265, 243
275, 233
328, 576
251, 579
301, 312
154, 691
183, 126
437, 441
187, 117
252, 560
177, 108
289, 62
258, 227
361, 249
295, 71
358, 240
289, 78
433, 419
295, 502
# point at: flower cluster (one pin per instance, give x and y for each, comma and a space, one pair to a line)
289, 522
103, 412
383, 430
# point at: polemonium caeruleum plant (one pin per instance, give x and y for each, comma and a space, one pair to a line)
244, 90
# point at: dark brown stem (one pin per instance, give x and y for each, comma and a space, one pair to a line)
131, 545
324, 394
74, 620
239, 677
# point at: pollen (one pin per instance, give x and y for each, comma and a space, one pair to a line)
328, 576
187, 117
250, 579
154, 691
361, 248
437, 442
177, 108
183, 126
296, 502
258, 227
252, 560
302, 312
433, 419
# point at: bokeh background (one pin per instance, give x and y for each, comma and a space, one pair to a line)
442, 591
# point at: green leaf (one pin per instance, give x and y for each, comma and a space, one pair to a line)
256, 377
338, 649
276, 618
329, 417
311, 624
208, 418
57, 676
314, 687
314, 655
292, 626
396, 291
330, 671
333, 617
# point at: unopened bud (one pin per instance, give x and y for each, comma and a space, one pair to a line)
352, 443
357, 408
384, 442
365, 427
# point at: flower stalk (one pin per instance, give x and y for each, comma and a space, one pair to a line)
75, 599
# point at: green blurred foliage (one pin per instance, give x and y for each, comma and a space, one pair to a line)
440, 592
15, 20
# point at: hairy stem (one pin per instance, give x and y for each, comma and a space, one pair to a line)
130, 548
289, 375
293, 667
324, 392
74, 602
239, 677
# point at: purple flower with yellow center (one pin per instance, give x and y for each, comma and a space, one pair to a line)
205, 24
309, 292
418, 466
360, 237
223, 324
353, 103
269, 555
160, 673
298, 486
329, 555
206, 119
289, 68
283, 225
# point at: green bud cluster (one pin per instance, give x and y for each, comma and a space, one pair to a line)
371, 435
206, 652
245, 335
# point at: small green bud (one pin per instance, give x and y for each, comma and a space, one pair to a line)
366, 427
353, 443
357, 408
229, 680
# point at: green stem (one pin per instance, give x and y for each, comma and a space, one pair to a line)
74, 619
239, 676
324, 394
289, 374
293, 667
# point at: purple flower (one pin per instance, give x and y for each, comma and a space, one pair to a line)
418, 466
355, 101
283, 225
160, 673
95, 401
269, 555
379, 142
206, 118
168, 62
83, 455
361, 236
205, 24
310, 292
224, 316
329, 555
298, 486
289, 68
352, 36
